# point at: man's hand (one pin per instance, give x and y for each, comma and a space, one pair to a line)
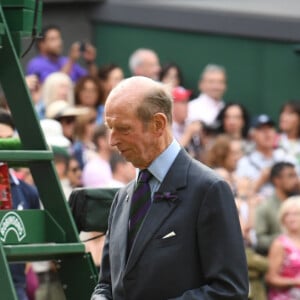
74, 52
89, 55
32, 82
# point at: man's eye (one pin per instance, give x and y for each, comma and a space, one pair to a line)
124, 129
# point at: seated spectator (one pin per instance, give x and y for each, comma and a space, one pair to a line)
289, 125
57, 86
284, 178
283, 276
89, 93
171, 75
60, 145
257, 164
97, 172
224, 153
35, 90
247, 201
83, 147
109, 76
234, 121
50, 59
74, 173
212, 85
257, 265
122, 171
144, 62
184, 133
66, 115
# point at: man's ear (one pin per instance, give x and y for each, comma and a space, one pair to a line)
159, 122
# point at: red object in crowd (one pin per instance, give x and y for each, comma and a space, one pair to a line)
5, 192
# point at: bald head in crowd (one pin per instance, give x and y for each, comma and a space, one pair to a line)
144, 62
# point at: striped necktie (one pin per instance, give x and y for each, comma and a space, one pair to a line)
140, 203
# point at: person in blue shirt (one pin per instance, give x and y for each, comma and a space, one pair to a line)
50, 58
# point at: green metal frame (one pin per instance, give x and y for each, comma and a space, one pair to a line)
47, 234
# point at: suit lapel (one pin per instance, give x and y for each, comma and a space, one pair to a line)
161, 209
120, 235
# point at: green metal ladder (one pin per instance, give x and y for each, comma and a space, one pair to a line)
33, 235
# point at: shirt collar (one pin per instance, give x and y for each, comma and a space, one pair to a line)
161, 165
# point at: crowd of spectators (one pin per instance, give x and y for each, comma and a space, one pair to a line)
260, 161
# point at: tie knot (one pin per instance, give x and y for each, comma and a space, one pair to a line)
144, 176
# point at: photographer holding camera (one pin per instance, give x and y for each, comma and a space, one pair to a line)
50, 57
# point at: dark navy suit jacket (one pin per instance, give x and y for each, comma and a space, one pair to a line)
205, 259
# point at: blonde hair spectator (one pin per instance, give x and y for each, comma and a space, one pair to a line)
289, 204
57, 86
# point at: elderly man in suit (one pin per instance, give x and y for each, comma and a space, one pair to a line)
173, 234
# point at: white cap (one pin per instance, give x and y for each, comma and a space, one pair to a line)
54, 134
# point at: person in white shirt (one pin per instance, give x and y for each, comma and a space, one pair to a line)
187, 134
212, 85
257, 164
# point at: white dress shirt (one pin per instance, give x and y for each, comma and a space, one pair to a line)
204, 108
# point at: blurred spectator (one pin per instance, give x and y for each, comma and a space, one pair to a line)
109, 76
34, 88
50, 285
144, 62
212, 85
60, 145
50, 58
74, 173
122, 171
289, 125
24, 196
224, 153
234, 121
61, 162
97, 171
256, 165
208, 135
247, 201
66, 115
57, 86
3, 100
283, 276
7, 126
285, 180
53, 133
257, 266
87, 92
83, 147
184, 133
171, 75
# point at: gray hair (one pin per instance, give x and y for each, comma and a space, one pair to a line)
212, 68
136, 58
159, 100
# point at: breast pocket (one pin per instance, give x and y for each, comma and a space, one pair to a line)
166, 241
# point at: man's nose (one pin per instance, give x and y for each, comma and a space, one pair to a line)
113, 141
